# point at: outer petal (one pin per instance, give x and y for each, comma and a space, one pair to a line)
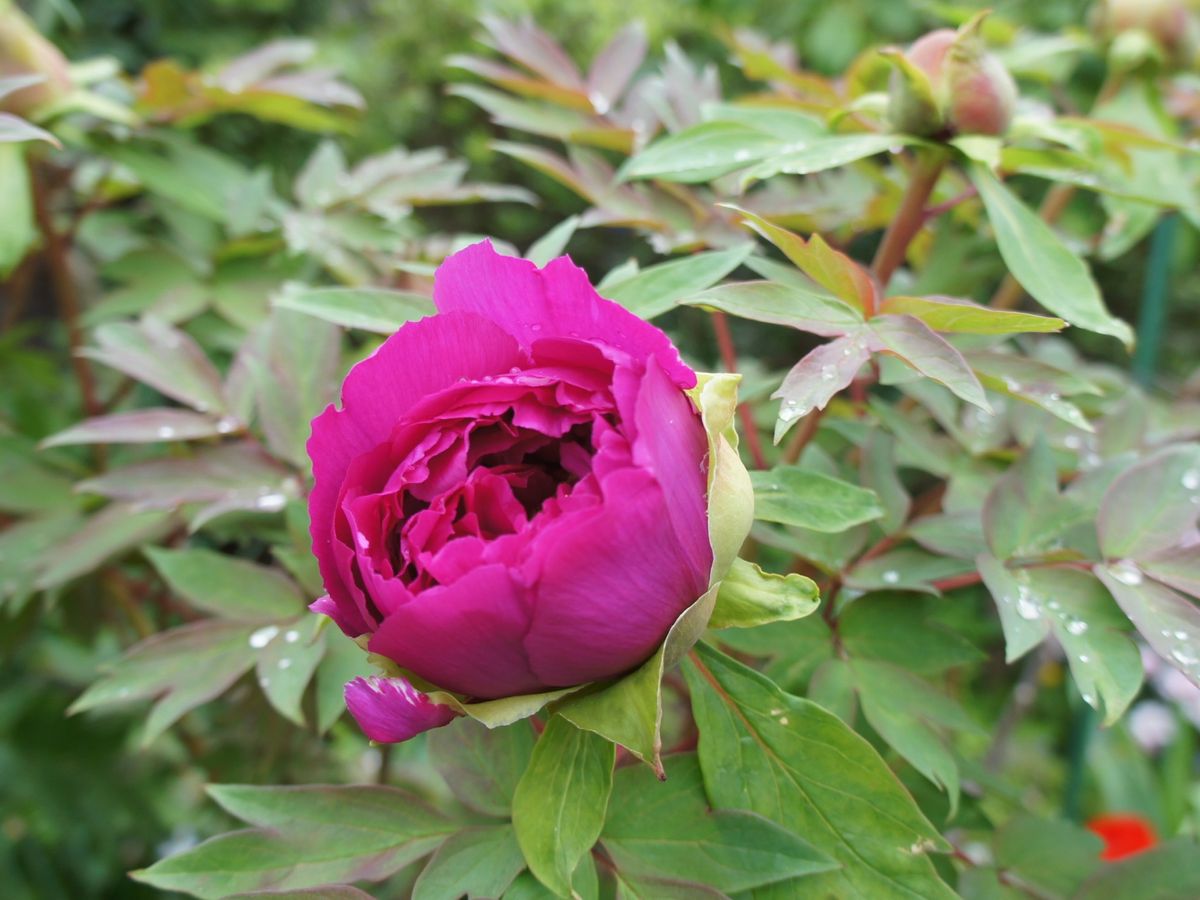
672, 445
465, 637
611, 584
556, 301
419, 359
390, 710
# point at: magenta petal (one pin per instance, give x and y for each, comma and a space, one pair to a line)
390, 710
612, 582
346, 617
556, 301
672, 445
421, 358
465, 637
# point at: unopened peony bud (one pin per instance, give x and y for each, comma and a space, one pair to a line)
23, 51
1165, 26
970, 91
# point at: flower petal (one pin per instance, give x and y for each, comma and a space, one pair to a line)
390, 710
555, 301
419, 359
464, 637
612, 581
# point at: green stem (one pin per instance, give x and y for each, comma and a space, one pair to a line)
1152, 317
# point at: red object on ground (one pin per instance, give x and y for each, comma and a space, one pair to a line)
1123, 834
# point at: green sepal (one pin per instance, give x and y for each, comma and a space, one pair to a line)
748, 596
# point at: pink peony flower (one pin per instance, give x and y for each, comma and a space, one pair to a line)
512, 498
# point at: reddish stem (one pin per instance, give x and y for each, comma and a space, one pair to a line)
957, 581
910, 217
745, 413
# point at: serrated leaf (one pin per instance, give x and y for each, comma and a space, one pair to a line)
1044, 266
748, 597
481, 765
791, 495
789, 760
658, 289
560, 801
227, 586
665, 830
951, 315
477, 862
369, 309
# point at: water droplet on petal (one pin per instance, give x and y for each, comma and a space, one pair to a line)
263, 636
1126, 572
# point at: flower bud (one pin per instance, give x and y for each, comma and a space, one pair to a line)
1164, 28
23, 51
947, 83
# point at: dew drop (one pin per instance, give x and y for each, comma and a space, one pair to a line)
227, 425
1026, 608
1054, 606
1191, 479
777, 711
264, 681
263, 636
1126, 572
1181, 635
741, 155
891, 576
1184, 656
828, 372
783, 720
292, 636
535, 327
284, 663
1089, 699
271, 502
363, 541
1077, 627
1072, 442
166, 432
123, 692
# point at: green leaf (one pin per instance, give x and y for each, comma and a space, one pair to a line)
781, 304
878, 473
930, 354
1020, 617
749, 597
478, 862
482, 765
324, 892
343, 662
952, 315
910, 715
370, 309
226, 585
629, 712
789, 760
657, 289
666, 831
1044, 266
560, 802
306, 836
702, 153
897, 629
904, 569
1051, 856
1024, 514
818, 377
18, 231
1167, 872
1169, 622
553, 242
1152, 505
198, 179
185, 667
15, 130
791, 495
287, 662
110, 533
143, 426
827, 153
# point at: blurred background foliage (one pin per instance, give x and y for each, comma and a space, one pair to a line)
80, 802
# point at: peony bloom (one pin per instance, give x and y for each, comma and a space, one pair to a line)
1123, 834
512, 499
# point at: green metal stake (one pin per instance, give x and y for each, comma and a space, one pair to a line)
1152, 317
